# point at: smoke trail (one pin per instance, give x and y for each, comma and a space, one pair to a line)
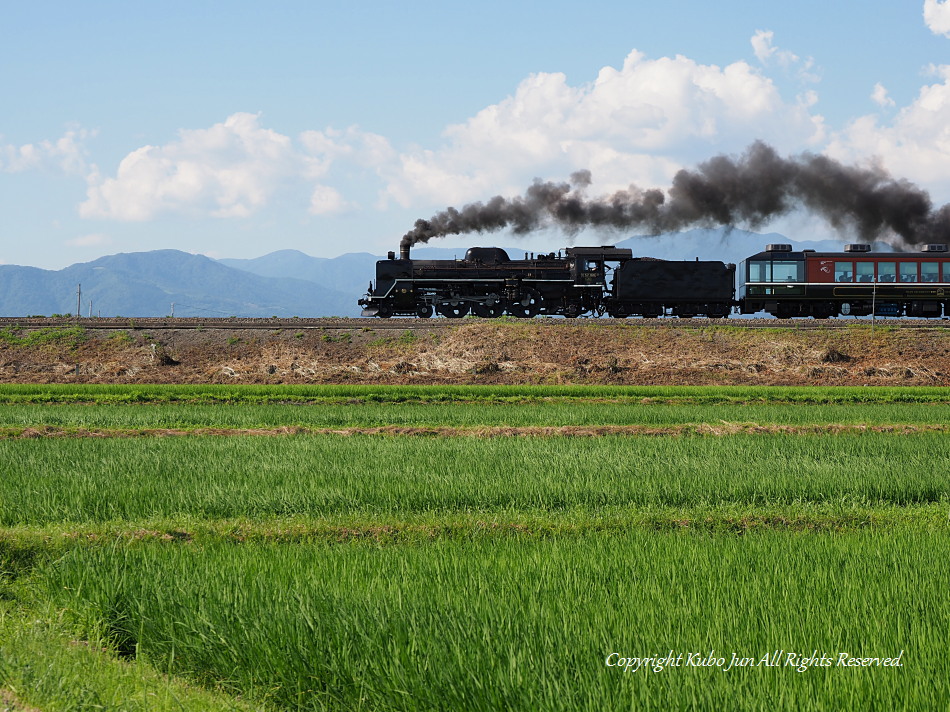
723, 191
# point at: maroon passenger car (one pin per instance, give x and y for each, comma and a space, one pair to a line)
854, 282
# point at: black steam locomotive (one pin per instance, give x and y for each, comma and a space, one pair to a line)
582, 280
610, 280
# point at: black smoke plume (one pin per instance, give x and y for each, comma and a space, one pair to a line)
749, 190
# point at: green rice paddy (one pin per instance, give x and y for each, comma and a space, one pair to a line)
338, 567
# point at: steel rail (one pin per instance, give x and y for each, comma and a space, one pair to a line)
376, 324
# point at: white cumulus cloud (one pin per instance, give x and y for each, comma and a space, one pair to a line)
879, 96
323, 148
230, 170
634, 124
937, 16
67, 154
766, 52
914, 145
327, 200
626, 126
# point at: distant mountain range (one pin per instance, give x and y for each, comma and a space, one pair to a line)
283, 283
156, 283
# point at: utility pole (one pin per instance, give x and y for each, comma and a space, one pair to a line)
78, 300
873, 305
173, 310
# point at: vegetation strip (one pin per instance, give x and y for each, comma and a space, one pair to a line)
85, 394
21, 547
25, 544
698, 429
421, 399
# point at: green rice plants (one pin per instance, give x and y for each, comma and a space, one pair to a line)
42, 659
98, 480
526, 623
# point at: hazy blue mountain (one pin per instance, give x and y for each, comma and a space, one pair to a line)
349, 274
148, 283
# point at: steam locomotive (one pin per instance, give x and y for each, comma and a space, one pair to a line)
611, 281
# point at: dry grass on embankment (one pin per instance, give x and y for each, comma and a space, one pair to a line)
491, 352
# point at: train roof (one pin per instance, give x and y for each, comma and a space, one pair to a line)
850, 252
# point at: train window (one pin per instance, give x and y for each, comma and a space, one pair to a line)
886, 271
760, 271
908, 271
865, 271
844, 271
929, 271
946, 271
784, 271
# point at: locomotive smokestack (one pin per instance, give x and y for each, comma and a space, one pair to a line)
724, 191
404, 250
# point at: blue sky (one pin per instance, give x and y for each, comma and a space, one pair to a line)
235, 128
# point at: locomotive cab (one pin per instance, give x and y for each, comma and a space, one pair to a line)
588, 271
589, 265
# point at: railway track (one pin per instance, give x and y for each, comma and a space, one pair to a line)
275, 324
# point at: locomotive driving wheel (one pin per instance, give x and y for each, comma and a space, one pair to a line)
490, 308
452, 311
527, 306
